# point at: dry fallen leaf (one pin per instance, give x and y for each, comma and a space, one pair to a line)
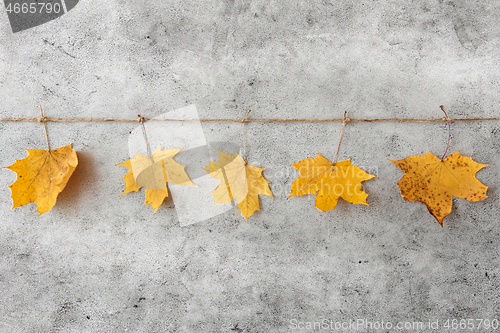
331, 181
238, 180
153, 172
434, 182
41, 176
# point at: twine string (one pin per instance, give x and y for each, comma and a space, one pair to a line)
141, 120
344, 121
449, 131
43, 120
244, 120
280, 120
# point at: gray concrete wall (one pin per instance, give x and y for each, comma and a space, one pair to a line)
102, 263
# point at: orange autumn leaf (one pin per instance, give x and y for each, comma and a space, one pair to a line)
435, 182
238, 180
41, 176
331, 180
153, 172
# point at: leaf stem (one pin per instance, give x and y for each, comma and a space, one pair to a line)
243, 132
141, 119
43, 120
449, 132
345, 120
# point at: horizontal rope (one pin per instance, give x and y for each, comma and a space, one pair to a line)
45, 119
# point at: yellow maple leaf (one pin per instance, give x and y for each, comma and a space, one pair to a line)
41, 176
238, 180
153, 172
331, 180
435, 182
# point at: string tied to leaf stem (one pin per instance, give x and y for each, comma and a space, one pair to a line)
448, 120
244, 120
344, 121
43, 120
141, 120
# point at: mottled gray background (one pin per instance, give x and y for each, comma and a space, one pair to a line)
102, 263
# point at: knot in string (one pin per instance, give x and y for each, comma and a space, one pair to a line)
446, 119
346, 119
43, 120
141, 120
244, 120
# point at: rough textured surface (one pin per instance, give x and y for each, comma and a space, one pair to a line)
100, 263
